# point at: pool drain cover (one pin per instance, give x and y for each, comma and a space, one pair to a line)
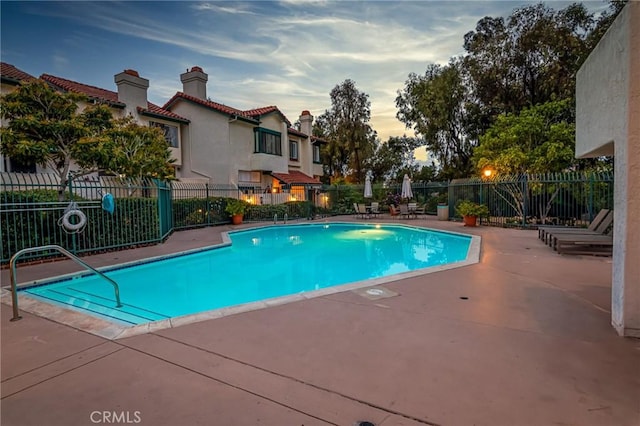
375, 293
365, 423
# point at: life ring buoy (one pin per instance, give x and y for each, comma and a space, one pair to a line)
73, 227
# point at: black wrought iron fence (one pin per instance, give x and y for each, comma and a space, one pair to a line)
33, 213
531, 200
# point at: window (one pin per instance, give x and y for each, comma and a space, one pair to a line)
249, 176
18, 166
316, 154
268, 141
293, 150
170, 133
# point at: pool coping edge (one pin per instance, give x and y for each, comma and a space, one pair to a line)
113, 331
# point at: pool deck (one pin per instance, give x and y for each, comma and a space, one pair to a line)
521, 338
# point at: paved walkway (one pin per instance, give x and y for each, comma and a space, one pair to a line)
531, 344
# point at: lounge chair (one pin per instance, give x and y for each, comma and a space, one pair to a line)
601, 229
543, 231
583, 244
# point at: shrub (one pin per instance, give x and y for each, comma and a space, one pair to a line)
469, 208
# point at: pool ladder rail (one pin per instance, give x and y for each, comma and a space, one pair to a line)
14, 286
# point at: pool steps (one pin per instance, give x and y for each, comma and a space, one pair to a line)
98, 304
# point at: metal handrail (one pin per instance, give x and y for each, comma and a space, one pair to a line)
14, 286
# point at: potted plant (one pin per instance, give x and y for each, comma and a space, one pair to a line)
471, 211
393, 201
236, 209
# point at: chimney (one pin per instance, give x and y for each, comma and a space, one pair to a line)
132, 90
306, 121
194, 83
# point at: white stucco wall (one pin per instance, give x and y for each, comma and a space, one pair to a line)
602, 94
273, 163
205, 143
242, 147
608, 122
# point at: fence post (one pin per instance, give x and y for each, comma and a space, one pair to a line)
525, 201
591, 188
165, 211
73, 235
207, 203
450, 199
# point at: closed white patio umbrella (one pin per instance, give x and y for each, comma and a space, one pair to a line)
368, 192
406, 188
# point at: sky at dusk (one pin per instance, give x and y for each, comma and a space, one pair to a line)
288, 53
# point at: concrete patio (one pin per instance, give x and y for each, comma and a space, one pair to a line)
521, 338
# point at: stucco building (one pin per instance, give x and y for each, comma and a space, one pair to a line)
257, 151
608, 123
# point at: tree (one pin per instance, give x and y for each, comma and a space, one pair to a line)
346, 129
392, 159
127, 149
540, 139
604, 22
44, 127
428, 173
436, 105
529, 60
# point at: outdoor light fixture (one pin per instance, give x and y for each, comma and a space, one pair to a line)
487, 172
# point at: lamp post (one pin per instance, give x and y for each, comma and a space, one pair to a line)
486, 176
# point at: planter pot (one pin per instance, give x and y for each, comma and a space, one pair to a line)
470, 220
236, 219
443, 212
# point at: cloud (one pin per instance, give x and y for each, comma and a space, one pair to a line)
290, 53
238, 9
60, 62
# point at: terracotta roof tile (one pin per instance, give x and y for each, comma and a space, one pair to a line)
295, 177
153, 109
315, 139
108, 96
91, 91
261, 111
11, 73
209, 104
296, 132
257, 112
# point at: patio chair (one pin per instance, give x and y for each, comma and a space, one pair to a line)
543, 231
393, 211
417, 210
601, 229
361, 210
375, 209
404, 211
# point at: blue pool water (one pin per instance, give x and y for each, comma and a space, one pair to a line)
260, 264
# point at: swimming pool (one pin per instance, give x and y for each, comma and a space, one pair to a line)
259, 264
